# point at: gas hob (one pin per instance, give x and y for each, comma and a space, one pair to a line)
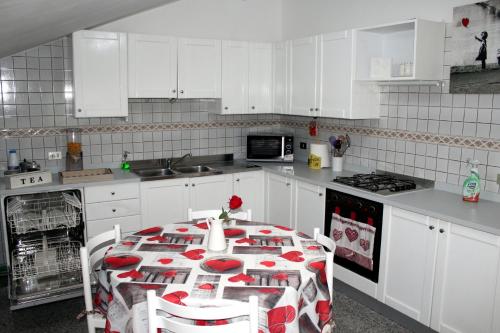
384, 183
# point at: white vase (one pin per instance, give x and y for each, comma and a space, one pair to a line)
216, 238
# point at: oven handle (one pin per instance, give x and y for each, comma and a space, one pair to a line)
282, 147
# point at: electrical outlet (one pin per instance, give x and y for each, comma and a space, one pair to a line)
303, 145
498, 179
55, 155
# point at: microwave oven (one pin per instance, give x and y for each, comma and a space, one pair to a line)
268, 147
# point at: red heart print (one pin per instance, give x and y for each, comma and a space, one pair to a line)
275, 291
337, 234
313, 247
277, 240
150, 231
283, 228
206, 286
319, 265
265, 231
277, 318
465, 22
176, 297
150, 286
128, 243
170, 273
233, 232
365, 244
133, 274
188, 238
182, 229
165, 261
268, 263
246, 240
280, 276
293, 256
221, 265
194, 254
351, 234
323, 309
203, 225
213, 323
157, 238
241, 277
117, 262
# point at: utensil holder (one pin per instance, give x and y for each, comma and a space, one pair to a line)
337, 164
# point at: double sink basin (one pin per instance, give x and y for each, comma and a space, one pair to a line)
155, 173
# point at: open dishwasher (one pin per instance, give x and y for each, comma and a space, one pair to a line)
43, 233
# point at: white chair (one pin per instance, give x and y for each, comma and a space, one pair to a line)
330, 245
225, 310
90, 255
200, 214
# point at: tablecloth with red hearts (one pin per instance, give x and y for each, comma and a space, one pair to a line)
284, 268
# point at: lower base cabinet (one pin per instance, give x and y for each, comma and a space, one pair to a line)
249, 186
309, 208
279, 198
443, 275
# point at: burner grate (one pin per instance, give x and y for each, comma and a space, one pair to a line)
376, 183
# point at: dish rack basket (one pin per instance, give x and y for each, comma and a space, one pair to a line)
43, 258
43, 212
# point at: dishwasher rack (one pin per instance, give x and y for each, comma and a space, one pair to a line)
42, 212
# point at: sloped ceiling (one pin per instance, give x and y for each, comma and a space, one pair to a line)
28, 23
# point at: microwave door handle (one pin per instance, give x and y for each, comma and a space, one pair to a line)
282, 148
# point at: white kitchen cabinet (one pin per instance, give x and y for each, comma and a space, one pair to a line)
199, 72
164, 201
410, 259
100, 74
211, 192
416, 43
309, 207
279, 200
280, 77
260, 77
152, 66
467, 274
249, 186
234, 77
304, 77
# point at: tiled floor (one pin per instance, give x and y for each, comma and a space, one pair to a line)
60, 317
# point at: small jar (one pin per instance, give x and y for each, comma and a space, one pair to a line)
13, 161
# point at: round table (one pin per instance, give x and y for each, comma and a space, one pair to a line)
284, 268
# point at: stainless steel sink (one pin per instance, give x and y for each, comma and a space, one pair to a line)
197, 170
156, 173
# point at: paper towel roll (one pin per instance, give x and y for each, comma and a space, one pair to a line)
323, 151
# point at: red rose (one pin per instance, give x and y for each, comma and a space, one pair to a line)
235, 202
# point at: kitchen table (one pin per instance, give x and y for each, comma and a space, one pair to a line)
284, 268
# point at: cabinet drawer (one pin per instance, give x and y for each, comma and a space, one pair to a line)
127, 224
112, 209
111, 192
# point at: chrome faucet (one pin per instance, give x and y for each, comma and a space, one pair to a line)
170, 165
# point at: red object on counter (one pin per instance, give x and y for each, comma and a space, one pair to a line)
313, 128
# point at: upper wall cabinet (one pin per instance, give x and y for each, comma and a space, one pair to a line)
247, 77
152, 66
100, 74
339, 95
280, 77
405, 51
199, 68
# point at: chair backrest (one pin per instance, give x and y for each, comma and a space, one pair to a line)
216, 309
90, 255
331, 246
200, 214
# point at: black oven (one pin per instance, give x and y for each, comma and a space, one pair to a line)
356, 226
268, 147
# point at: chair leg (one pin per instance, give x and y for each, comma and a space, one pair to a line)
90, 324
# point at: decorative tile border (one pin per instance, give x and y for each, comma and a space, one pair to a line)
456, 141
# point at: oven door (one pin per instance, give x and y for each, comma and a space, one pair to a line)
265, 148
356, 226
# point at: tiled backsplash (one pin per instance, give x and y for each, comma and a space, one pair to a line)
422, 131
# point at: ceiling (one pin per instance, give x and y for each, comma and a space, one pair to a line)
28, 23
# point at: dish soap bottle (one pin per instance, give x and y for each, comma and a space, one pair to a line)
472, 184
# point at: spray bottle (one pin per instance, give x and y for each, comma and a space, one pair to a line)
472, 184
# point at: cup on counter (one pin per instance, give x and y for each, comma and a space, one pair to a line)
337, 164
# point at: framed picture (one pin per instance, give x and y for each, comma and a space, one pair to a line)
475, 49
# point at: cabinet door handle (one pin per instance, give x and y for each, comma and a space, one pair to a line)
287, 184
79, 110
253, 107
181, 91
320, 194
174, 91
237, 179
317, 109
225, 108
112, 193
431, 227
193, 185
311, 109
186, 185
113, 210
441, 231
